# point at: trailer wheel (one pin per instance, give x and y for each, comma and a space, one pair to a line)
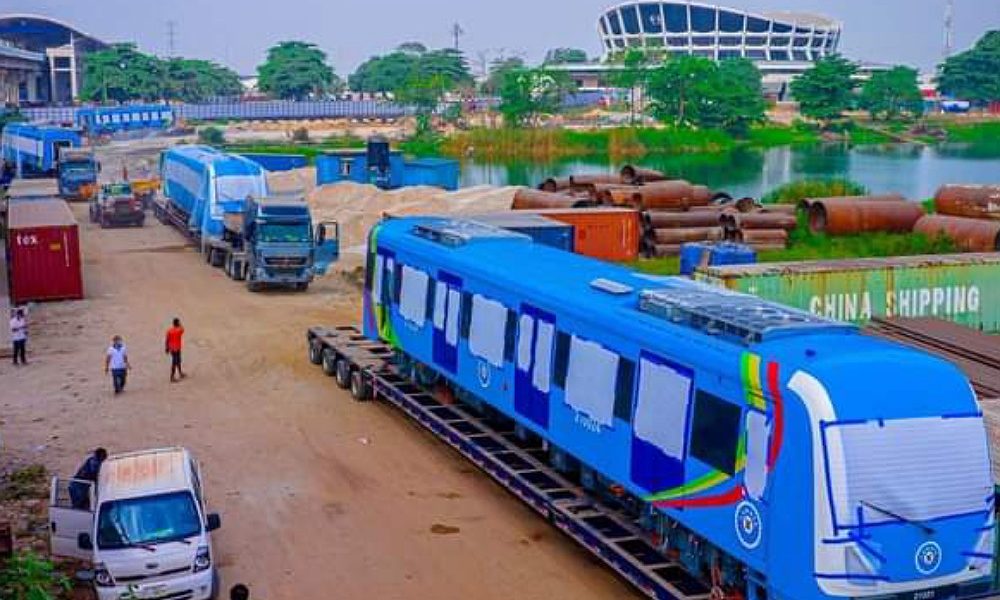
329, 362
315, 353
360, 389
207, 254
217, 258
343, 373
239, 270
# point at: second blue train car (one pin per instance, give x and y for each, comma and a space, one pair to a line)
774, 454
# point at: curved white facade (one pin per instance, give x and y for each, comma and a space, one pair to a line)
717, 32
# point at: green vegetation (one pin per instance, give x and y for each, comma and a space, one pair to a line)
28, 576
768, 136
563, 56
296, 70
498, 69
863, 135
826, 90
974, 75
25, 483
986, 132
632, 74
310, 150
795, 191
890, 94
528, 94
122, 73
211, 135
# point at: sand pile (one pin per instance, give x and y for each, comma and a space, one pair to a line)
356, 207
303, 180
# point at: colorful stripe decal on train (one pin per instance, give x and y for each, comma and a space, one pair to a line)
756, 398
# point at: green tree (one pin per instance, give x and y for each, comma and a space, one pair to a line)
527, 94
27, 576
382, 73
190, 80
294, 70
498, 68
973, 75
121, 73
632, 74
563, 56
731, 97
410, 62
891, 93
826, 90
671, 88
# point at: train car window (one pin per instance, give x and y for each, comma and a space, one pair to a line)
430, 297
440, 303
541, 378
379, 276
590, 380
413, 288
624, 384
397, 282
715, 432
526, 331
510, 336
758, 438
562, 359
466, 314
487, 327
451, 327
662, 405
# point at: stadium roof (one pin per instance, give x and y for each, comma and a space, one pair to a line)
38, 32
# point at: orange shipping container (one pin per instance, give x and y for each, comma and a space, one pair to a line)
605, 233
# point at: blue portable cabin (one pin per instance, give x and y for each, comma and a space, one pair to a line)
437, 172
352, 165
36, 147
278, 162
695, 254
204, 183
113, 119
792, 455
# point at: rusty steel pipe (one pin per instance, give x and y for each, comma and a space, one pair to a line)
789, 209
763, 236
638, 175
525, 199
661, 250
806, 203
839, 216
970, 235
976, 201
667, 220
583, 182
601, 192
688, 234
554, 185
762, 220
622, 197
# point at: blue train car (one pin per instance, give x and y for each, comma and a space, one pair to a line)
113, 119
774, 454
203, 184
36, 147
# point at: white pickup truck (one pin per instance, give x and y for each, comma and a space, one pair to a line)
144, 527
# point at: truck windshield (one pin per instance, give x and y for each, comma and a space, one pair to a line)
118, 189
77, 168
284, 232
149, 520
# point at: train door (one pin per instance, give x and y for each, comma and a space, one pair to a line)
660, 424
536, 333
447, 305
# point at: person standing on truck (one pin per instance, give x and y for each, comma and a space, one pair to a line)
173, 348
116, 362
88, 471
19, 336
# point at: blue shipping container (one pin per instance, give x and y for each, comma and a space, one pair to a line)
696, 254
437, 172
540, 229
278, 162
352, 165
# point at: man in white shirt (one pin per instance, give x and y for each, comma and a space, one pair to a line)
116, 362
19, 336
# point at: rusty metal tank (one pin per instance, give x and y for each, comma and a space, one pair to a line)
976, 201
970, 235
841, 216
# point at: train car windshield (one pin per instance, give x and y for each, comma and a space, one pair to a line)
907, 470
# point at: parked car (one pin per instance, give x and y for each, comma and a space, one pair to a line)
144, 527
116, 204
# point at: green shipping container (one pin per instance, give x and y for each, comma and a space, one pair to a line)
963, 288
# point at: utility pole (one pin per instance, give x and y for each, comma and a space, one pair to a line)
171, 39
457, 32
949, 28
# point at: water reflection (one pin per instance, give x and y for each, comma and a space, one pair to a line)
913, 170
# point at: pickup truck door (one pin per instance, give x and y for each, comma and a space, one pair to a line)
70, 514
327, 246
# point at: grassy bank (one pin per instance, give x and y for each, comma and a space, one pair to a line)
986, 131
307, 149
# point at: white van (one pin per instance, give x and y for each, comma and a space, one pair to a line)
144, 528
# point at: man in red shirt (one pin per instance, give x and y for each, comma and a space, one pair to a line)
173, 348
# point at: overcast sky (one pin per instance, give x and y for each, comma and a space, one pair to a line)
238, 32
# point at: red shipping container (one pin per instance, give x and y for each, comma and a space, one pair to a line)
43, 249
605, 233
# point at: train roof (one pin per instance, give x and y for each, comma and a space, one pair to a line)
223, 163
661, 307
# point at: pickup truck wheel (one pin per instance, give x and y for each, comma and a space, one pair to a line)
329, 362
315, 353
360, 389
343, 374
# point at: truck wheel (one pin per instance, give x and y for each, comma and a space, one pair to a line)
315, 353
343, 373
217, 258
207, 254
239, 271
360, 389
329, 362
302, 286
253, 286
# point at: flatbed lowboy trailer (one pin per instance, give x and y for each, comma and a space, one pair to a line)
368, 370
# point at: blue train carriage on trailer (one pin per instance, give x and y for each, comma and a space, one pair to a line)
35, 147
772, 453
112, 119
201, 184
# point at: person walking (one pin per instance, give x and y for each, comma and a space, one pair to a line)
173, 348
116, 362
19, 336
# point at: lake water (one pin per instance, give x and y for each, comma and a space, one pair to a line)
912, 170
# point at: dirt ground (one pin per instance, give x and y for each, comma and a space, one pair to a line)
318, 495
